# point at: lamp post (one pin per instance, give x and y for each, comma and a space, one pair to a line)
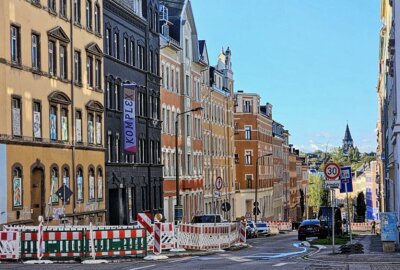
256, 193
178, 206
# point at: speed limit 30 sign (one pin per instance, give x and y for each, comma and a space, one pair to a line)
332, 170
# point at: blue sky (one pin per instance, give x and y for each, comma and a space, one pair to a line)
316, 61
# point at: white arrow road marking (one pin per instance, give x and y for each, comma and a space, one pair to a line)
280, 264
143, 267
266, 256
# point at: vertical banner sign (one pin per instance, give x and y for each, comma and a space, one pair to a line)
64, 128
17, 121
90, 132
129, 122
80, 188
78, 124
53, 127
98, 132
99, 187
54, 183
17, 192
91, 187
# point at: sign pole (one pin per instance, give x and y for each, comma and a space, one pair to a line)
333, 223
348, 213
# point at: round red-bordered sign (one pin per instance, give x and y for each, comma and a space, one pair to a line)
218, 183
332, 170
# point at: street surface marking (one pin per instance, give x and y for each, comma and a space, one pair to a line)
182, 259
267, 256
280, 264
143, 267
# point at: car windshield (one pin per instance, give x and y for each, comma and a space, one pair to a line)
206, 219
310, 222
250, 225
262, 225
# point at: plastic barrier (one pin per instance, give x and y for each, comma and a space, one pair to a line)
242, 238
280, 225
364, 226
168, 238
9, 245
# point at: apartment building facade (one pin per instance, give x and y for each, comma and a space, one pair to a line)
51, 79
181, 67
132, 133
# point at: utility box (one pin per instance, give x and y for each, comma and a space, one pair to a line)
389, 231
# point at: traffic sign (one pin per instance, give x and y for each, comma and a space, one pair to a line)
64, 193
218, 183
346, 180
331, 184
248, 215
332, 171
226, 206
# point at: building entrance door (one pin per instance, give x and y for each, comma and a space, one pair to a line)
117, 206
37, 194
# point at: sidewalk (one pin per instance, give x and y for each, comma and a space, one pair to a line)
373, 252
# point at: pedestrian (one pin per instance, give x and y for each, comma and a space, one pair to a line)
373, 227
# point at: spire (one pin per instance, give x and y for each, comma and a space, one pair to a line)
347, 135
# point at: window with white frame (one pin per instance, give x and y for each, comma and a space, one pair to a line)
247, 132
247, 154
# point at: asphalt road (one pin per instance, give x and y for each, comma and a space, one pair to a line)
275, 252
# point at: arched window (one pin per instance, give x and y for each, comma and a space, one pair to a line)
79, 184
17, 186
54, 183
91, 184
99, 183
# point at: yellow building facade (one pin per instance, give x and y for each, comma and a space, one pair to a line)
51, 91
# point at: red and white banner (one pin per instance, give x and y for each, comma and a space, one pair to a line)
144, 220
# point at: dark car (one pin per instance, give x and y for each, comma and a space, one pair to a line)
207, 219
310, 228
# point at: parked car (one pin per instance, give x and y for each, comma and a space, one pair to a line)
207, 219
251, 228
310, 228
263, 228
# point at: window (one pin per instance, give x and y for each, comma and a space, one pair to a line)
88, 14
16, 116
64, 124
141, 57
97, 23
77, 11
77, 67
249, 181
98, 130
132, 52
109, 153
17, 186
37, 120
53, 123
116, 45
52, 58
247, 106
167, 78
79, 185
98, 74
186, 47
248, 157
108, 94
15, 46
63, 8
126, 50
91, 184
108, 41
52, 5
156, 66
90, 129
78, 126
89, 70
117, 145
151, 62
35, 51
247, 133
63, 62
117, 88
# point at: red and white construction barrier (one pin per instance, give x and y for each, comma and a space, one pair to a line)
144, 220
10, 245
242, 233
168, 238
363, 226
280, 225
157, 238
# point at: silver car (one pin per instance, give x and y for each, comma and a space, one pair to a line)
263, 229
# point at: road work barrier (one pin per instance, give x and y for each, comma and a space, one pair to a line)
9, 245
364, 226
168, 238
280, 225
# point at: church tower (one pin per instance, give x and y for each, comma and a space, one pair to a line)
347, 141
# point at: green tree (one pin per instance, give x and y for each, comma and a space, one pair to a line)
315, 190
361, 207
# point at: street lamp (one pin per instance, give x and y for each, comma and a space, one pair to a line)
178, 206
256, 193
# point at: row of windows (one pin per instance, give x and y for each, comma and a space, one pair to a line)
59, 123
113, 98
194, 164
214, 147
115, 153
193, 124
60, 177
170, 78
216, 113
57, 58
131, 54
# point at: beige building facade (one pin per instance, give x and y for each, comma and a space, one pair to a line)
51, 81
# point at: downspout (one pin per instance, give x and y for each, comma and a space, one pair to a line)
72, 181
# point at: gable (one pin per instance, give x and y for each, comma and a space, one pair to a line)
93, 48
94, 106
59, 97
58, 33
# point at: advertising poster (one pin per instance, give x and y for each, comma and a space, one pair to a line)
53, 127
64, 128
90, 131
36, 125
100, 187
17, 192
17, 121
98, 132
66, 181
78, 130
54, 186
91, 187
80, 188
129, 121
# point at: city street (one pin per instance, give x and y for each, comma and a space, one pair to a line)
280, 252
